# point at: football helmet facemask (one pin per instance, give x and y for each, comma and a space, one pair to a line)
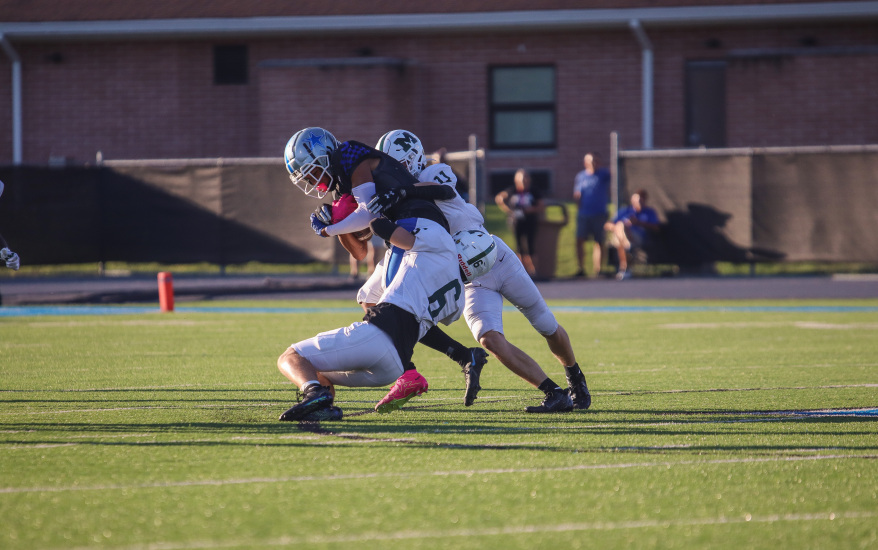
307, 157
405, 147
476, 253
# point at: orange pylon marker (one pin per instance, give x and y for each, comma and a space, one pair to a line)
166, 291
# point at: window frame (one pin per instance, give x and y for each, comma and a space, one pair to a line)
520, 107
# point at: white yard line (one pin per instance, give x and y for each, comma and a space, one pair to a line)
439, 473
496, 531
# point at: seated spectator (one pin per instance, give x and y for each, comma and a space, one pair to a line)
631, 229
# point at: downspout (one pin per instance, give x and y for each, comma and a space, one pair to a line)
16, 98
646, 48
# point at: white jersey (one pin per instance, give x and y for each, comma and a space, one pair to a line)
507, 279
459, 213
427, 282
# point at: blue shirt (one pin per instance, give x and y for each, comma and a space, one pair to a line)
646, 215
594, 191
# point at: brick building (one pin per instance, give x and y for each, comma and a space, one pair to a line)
538, 84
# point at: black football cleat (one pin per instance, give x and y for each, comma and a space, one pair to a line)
556, 401
472, 371
314, 398
322, 415
578, 391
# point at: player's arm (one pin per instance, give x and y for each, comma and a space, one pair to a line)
358, 219
357, 248
392, 233
429, 190
425, 190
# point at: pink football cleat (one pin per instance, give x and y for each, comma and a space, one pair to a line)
410, 384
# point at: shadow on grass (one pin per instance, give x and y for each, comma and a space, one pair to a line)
420, 427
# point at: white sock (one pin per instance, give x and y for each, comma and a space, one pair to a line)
309, 383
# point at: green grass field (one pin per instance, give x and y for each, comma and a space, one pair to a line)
159, 431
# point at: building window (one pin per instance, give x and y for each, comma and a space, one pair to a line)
230, 64
522, 107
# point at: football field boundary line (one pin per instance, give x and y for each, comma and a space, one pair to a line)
74, 310
496, 531
438, 473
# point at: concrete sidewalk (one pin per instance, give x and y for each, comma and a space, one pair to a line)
114, 290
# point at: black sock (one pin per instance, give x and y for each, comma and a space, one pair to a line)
410, 366
548, 386
441, 342
573, 371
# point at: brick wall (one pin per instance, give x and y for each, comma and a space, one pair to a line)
158, 100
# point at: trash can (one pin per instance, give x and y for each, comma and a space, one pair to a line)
547, 241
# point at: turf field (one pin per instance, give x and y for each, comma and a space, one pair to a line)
714, 425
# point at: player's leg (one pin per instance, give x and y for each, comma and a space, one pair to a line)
524, 295
360, 355
467, 358
301, 372
484, 316
559, 344
410, 384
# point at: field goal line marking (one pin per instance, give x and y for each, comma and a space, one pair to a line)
499, 531
440, 473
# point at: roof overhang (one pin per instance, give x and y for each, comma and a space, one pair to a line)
536, 20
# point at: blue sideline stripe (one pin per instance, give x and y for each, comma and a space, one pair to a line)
855, 412
34, 311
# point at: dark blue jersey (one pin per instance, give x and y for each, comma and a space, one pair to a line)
388, 174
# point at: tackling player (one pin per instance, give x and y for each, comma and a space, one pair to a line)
484, 296
317, 165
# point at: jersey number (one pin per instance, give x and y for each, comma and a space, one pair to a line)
439, 298
442, 177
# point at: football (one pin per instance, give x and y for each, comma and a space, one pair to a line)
343, 207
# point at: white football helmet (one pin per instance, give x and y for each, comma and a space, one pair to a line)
405, 147
307, 159
476, 253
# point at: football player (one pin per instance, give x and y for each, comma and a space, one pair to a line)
318, 164
9, 257
484, 295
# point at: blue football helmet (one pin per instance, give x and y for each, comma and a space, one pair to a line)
307, 159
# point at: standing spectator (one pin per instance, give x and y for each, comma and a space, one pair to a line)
524, 205
591, 190
631, 229
11, 258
